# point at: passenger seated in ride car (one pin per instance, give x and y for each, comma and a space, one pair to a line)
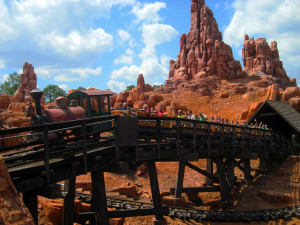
125, 107
180, 114
203, 117
189, 114
161, 112
194, 117
146, 109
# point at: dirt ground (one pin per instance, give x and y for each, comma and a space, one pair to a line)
244, 197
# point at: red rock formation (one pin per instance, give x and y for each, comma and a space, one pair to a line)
5, 101
28, 82
261, 59
13, 211
202, 51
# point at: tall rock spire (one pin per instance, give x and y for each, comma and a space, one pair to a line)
202, 51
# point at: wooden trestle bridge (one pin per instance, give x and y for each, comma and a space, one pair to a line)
54, 152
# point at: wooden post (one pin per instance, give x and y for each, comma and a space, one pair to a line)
68, 210
30, 200
158, 136
84, 147
180, 178
222, 179
230, 172
46, 153
209, 169
155, 188
99, 205
247, 170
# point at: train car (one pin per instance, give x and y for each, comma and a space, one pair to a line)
94, 102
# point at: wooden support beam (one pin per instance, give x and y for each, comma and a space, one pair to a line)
247, 170
222, 179
69, 198
154, 188
30, 200
209, 169
230, 172
203, 172
180, 178
99, 204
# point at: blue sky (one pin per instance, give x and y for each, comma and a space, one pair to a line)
108, 43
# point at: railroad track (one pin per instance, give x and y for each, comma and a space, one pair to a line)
205, 215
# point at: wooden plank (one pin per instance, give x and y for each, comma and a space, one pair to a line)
46, 154
209, 169
158, 136
178, 136
99, 205
197, 189
194, 137
69, 198
154, 187
222, 179
180, 178
84, 147
30, 200
203, 172
247, 170
127, 131
230, 172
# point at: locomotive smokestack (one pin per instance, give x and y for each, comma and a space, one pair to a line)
37, 94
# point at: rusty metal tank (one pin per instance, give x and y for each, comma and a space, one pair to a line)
63, 113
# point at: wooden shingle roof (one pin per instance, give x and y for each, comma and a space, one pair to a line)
285, 110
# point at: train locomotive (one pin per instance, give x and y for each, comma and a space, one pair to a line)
78, 105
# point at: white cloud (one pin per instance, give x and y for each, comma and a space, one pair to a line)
148, 12
155, 34
124, 59
129, 51
116, 86
3, 78
2, 64
75, 42
277, 20
153, 68
67, 74
130, 73
64, 87
124, 35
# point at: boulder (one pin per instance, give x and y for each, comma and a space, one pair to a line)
295, 103
290, 92
172, 201
273, 92
13, 211
224, 95
4, 101
272, 196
